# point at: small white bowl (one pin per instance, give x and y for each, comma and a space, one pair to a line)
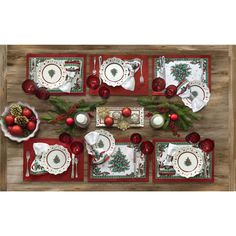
14, 138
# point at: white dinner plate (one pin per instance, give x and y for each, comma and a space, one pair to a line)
51, 74
114, 72
56, 160
188, 161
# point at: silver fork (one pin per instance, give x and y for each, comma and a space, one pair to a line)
27, 164
141, 71
72, 171
76, 168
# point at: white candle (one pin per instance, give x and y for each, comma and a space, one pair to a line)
157, 121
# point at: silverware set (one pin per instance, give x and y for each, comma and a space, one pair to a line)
74, 170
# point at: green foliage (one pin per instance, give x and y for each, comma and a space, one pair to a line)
180, 71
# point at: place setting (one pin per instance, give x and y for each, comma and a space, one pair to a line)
52, 160
189, 160
60, 74
188, 76
120, 75
116, 160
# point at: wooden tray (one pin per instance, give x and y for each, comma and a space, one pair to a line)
217, 118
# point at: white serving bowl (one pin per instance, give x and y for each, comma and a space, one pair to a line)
14, 138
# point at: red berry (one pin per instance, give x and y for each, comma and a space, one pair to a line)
69, 121
27, 112
31, 126
174, 117
9, 119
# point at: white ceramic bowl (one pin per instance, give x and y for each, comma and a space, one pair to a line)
14, 138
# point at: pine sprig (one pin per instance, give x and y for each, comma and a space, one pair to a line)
185, 114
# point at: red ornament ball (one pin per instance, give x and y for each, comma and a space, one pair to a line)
65, 138
193, 137
42, 93
76, 147
147, 147
136, 138
207, 145
126, 112
31, 126
16, 130
27, 112
29, 86
93, 82
171, 91
104, 92
158, 84
108, 121
174, 117
70, 121
10, 120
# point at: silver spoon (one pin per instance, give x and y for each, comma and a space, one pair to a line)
94, 66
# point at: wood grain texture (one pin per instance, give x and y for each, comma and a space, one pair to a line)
215, 122
3, 99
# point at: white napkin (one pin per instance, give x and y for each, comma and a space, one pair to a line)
166, 158
36, 167
91, 138
129, 84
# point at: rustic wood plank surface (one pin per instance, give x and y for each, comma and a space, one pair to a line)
3, 100
215, 120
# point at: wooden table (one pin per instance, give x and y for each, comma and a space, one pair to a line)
217, 118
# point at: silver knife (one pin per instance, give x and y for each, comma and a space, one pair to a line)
73, 169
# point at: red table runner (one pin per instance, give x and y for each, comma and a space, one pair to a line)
140, 89
66, 176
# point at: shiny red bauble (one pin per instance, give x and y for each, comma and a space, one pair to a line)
93, 82
104, 92
70, 121
171, 91
108, 121
42, 93
16, 130
76, 147
65, 138
207, 145
126, 112
31, 126
193, 137
10, 120
29, 86
174, 117
147, 147
27, 112
136, 138
158, 84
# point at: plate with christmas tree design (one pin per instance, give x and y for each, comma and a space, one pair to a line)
114, 72
188, 162
56, 160
51, 73
103, 147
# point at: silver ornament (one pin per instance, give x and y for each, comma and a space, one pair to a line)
116, 115
135, 118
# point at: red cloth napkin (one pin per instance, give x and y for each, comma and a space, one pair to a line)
140, 89
66, 176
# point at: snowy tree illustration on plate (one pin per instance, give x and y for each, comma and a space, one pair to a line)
119, 163
180, 71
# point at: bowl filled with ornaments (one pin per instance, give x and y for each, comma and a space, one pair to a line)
19, 122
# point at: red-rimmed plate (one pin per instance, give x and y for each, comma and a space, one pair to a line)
56, 160
188, 161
